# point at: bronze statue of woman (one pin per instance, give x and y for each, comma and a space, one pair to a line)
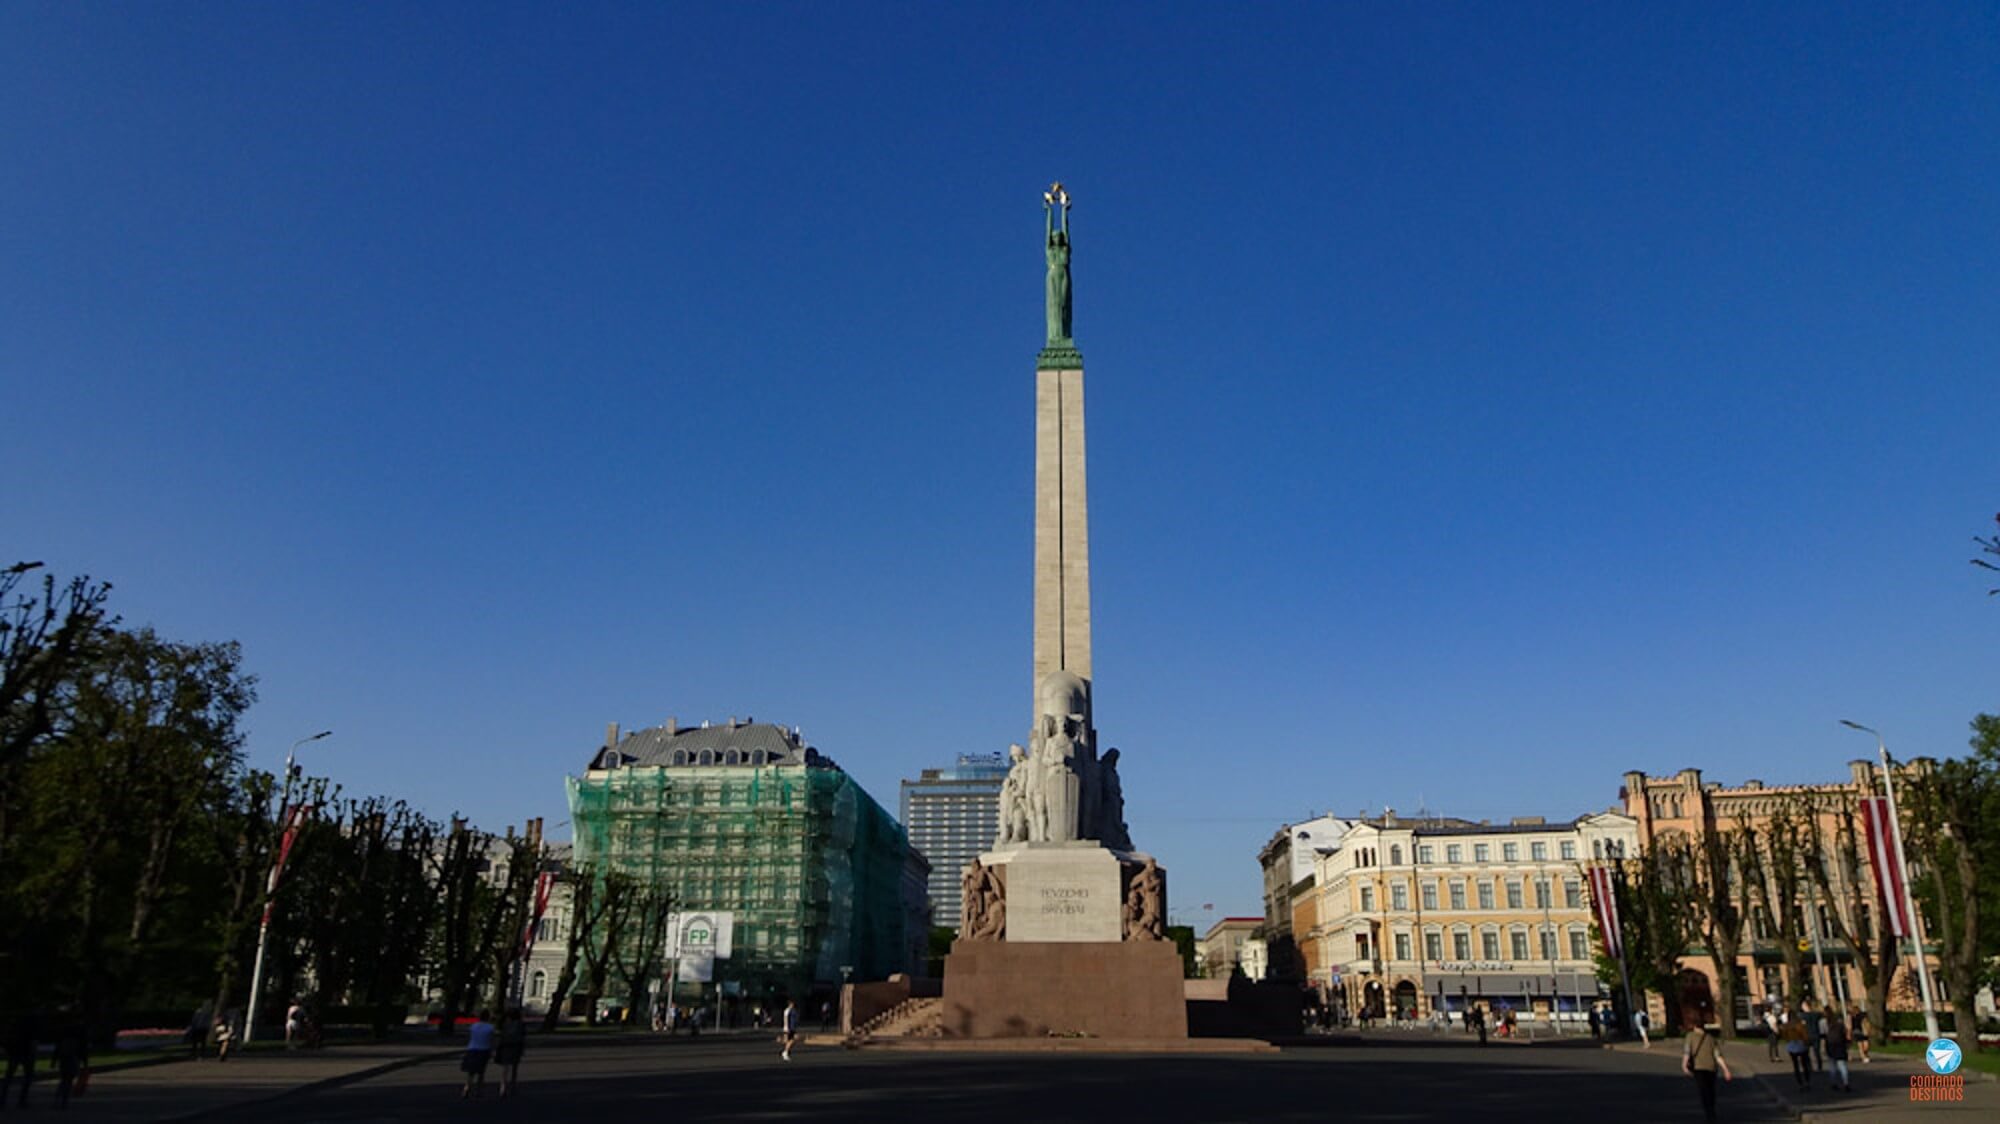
1058, 253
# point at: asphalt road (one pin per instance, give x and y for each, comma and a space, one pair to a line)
737, 1079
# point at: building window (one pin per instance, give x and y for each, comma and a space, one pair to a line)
1424, 853
1489, 945
1510, 852
1399, 896
1572, 894
1567, 848
1402, 946
1579, 945
1485, 895
1597, 847
1518, 941
1433, 946
1454, 853
1543, 900
1513, 895
1458, 895
1361, 946
1461, 946
1367, 899
1548, 944
1430, 895
1395, 854
537, 984
1538, 851
1482, 853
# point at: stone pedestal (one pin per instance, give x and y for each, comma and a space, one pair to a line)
1011, 989
1061, 892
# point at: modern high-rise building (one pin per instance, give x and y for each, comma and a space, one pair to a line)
952, 815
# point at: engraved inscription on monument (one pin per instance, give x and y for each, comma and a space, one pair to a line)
1064, 894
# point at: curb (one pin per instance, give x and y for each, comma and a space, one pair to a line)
321, 1085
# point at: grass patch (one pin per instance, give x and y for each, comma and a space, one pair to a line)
1983, 1061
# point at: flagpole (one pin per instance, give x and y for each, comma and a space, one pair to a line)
1903, 869
285, 815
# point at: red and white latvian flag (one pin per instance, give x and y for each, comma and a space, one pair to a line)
1604, 903
1886, 862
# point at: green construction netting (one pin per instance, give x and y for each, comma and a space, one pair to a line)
805, 859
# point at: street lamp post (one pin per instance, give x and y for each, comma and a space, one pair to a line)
271, 889
1903, 861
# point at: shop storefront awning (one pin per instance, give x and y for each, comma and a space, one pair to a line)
1510, 983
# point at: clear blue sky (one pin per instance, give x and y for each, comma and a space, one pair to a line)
1483, 400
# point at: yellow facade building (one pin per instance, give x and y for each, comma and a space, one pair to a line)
1415, 916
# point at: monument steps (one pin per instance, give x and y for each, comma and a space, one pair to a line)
916, 1017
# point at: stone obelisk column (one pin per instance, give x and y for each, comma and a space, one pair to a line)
1062, 536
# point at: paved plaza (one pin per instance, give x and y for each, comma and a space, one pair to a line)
1384, 1075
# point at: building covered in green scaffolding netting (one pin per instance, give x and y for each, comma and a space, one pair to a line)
747, 818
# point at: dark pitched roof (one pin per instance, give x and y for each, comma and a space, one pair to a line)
752, 743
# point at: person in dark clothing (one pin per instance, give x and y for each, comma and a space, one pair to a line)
1815, 1034
20, 1057
1836, 1052
1794, 1035
72, 1047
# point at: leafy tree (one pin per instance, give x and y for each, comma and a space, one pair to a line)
637, 958
44, 640
1776, 875
613, 898
1658, 911
1849, 898
586, 913
511, 910
1183, 938
1952, 822
1717, 899
109, 866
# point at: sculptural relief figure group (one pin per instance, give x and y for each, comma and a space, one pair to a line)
1059, 790
983, 902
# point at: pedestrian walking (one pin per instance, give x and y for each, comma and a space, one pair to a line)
513, 1042
1771, 1033
294, 1024
20, 1057
1815, 1022
478, 1051
1478, 1017
1857, 1022
790, 1031
225, 1036
72, 1048
1836, 1053
1701, 1058
1794, 1034
1643, 1023
196, 1033
1596, 1028
825, 1015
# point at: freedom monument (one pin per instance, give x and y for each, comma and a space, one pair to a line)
1064, 928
